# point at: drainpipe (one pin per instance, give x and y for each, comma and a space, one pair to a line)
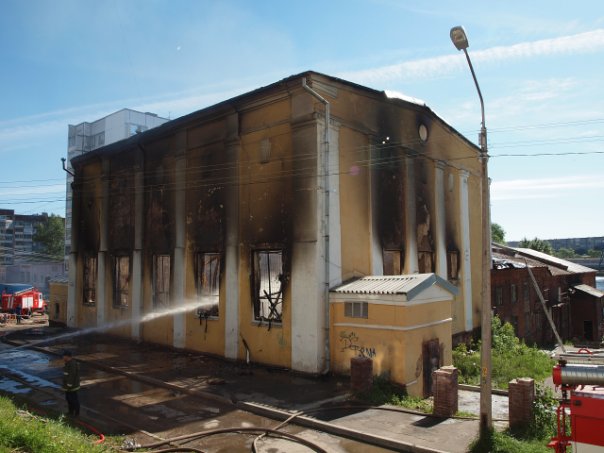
325, 222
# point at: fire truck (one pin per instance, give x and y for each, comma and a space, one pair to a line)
580, 376
25, 296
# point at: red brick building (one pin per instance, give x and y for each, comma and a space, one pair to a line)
574, 303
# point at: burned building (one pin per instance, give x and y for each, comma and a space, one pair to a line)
253, 210
568, 289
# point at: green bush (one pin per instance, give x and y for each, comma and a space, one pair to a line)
510, 359
385, 392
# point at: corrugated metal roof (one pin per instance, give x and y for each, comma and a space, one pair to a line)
589, 290
555, 261
410, 284
14, 288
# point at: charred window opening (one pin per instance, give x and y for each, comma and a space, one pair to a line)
498, 295
425, 262
268, 285
393, 262
161, 281
453, 265
207, 283
121, 281
90, 277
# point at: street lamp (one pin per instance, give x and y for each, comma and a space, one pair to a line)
460, 40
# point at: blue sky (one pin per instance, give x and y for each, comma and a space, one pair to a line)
540, 65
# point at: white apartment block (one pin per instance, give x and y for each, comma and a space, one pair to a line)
85, 137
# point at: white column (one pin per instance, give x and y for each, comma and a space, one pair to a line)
411, 260
335, 230
440, 240
178, 288
231, 314
309, 334
101, 302
137, 263
466, 263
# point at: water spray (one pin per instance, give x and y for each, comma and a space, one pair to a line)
184, 308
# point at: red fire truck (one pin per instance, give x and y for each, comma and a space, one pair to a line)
25, 296
580, 375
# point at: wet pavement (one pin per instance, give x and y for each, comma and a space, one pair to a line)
151, 392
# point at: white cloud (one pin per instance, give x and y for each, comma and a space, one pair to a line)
523, 189
588, 42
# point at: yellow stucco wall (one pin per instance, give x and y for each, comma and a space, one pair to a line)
57, 305
396, 354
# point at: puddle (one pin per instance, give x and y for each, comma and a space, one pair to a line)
33, 380
13, 387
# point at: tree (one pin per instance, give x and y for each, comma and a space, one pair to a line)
565, 253
497, 233
50, 234
537, 244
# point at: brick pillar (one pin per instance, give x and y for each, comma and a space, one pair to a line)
521, 398
445, 391
361, 374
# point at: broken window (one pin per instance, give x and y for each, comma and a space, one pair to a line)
121, 281
207, 283
355, 309
393, 262
452, 264
499, 295
526, 292
268, 285
425, 262
513, 295
161, 281
90, 277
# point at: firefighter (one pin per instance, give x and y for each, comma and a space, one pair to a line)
71, 383
18, 313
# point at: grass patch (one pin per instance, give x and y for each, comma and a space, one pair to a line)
385, 392
21, 431
504, 442
510, 359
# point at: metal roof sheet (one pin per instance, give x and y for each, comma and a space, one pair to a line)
555, 261
589, 290
410, 284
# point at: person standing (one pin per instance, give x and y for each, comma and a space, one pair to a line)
71, 382
18, 313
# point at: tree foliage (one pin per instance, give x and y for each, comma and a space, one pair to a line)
51, 235
537, 244
565, 252
497, 233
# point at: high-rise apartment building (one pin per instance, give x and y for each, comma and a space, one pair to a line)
85, 137
17, 232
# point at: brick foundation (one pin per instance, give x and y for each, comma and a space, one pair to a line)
361, 374
445, 391
522, 398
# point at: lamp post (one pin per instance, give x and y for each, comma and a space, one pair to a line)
460, 40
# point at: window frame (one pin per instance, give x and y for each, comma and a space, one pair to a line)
162, 292
275, 309
356, 309
118, 291
89, 281
215, 277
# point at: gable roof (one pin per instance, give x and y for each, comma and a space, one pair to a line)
232, 104
410, 285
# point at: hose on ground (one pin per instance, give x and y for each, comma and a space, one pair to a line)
214, 432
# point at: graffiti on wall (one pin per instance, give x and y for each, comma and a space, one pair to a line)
350, 340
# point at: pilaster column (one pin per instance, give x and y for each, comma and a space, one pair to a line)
101, 304
137, 260
231, 315
411, 259
178, 288
466, 262
440, 240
